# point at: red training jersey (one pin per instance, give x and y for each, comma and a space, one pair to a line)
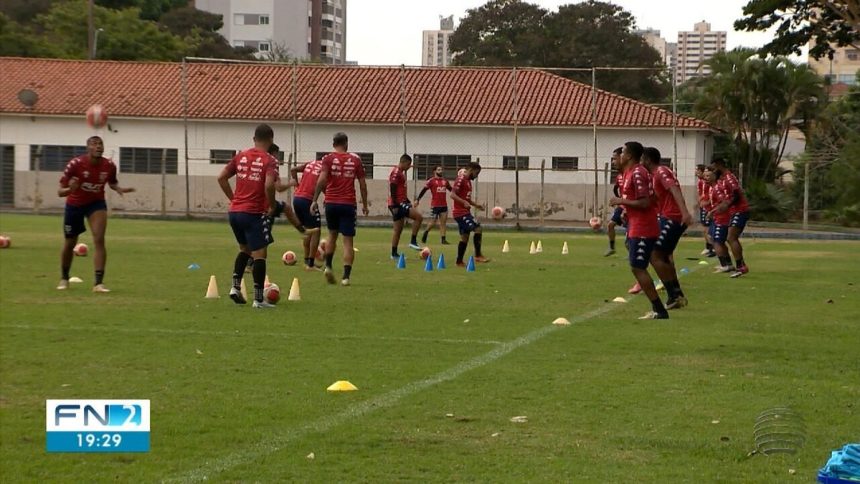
251, 168
641, 222
397, 177
438, 187
664, 180
718, 196
463, 189
732, 185
619, 180
703, 189
308, 183
343, 169
92, 178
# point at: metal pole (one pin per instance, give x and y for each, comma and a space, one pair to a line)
516, 151
606, 173
403, 125
675, 126
163, 181
37, 196
806, 195
594, 131
90, 30
542, 168
295, 102
185, 128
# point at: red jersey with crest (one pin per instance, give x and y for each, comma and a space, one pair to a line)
251, 168
397, 178
463, 189
731, 185
91, 178
703, 189
308, 183
664, 180
343, 169
641, 222
718, 196
438, 187
616, 188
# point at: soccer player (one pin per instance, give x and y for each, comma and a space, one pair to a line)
340, 169
400, 206
643, 229
618, 213
735, 203
438, 187
83, 185
462, 196
703, 191
252, 206
674, 220
302, 200
720, 220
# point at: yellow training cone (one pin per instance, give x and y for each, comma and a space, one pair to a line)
212, 291
539, 247
506, 248
564, 249
619, 299
243, 290
295, 294
342, 386
561, 322
703, 262
532, 249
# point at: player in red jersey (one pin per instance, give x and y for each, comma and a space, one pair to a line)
400, 206
618, 213
719, 220
83, 185
438, 187
252, 206
643, 229
674, 220
703, 192
302, 200
338, 175
462, 196
735, 203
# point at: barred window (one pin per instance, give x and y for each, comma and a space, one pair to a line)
148, 160
509, 163
565, 163
426, 164
53, 157
221, 157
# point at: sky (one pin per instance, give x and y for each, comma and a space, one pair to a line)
388, 32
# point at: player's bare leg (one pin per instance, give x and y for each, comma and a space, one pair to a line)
461, 249
259, 273
417, 221
430, 223
395, 238
664, 265
477, 240
443, 220
610, 232
348, 258
331, 245
98, 226
737, 249
644, 280
67, 255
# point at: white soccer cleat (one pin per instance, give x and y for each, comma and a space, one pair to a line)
329, 275
100, 288
609, 252
414, 246
654, 315
236, 296
263, 305
344, 282
63, 285
705, 252
723, 269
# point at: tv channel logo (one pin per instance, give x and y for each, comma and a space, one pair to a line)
97, 425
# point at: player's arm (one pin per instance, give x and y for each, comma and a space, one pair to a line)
321, 183
224, 181
68, 186
464, 201
362, 188
423, 191
270, 185
294, 172
686, 216
115, 187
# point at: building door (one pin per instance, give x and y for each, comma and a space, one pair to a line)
7, 175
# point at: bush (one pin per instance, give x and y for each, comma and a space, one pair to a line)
769, 202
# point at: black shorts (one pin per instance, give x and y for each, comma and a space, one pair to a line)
639, 251
251, 229
467, 224
670, 235
703, 217
341, 218
400, 211
73, 219
739, 220
437, 211
719, 233
302, 207
617, 216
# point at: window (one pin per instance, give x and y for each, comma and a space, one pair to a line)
565, 163
852, 54
666, 162
264, 20
238, 43
53, 157
7, 175
425, 164
366, 161
148, 160
220, 157
849, 79
508, 163
264, 47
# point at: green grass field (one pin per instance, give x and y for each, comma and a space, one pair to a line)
442, 361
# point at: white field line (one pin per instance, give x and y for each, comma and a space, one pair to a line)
244, 334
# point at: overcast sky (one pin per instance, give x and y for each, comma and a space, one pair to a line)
388, 32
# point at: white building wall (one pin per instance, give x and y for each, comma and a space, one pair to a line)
570, 193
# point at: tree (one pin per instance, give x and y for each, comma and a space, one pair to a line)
149, 9
820, 23
23, 11
199, 30
19, 41
584, 35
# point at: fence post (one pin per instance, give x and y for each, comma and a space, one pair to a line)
806, 195
37, 195
516, 150
542, 167
185, 129
163, 181
594, 131
606, 174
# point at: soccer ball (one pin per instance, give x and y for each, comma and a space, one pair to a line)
321, 250
289, 258
426, 252
461, 172
81, 250
96, 116
5, 242
272, 294
595, 223
498, 212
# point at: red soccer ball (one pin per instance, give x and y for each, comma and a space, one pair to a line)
81, 250
426, 252
289, 258
595, 223
272, 294
5, 242
498, 212
97, 116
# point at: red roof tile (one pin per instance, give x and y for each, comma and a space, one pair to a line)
324, 94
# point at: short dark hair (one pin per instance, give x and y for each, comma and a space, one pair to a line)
264, 133
652, 154
93, 138
340, 139
617, 151
474, 165
405, 157
719, 162
700, 167
635, 148
274, 150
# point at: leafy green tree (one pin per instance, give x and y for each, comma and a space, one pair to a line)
199, 30
24, 11
820, 23
501, 33
19, 41
149, 9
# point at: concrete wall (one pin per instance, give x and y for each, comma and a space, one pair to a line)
568, 195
